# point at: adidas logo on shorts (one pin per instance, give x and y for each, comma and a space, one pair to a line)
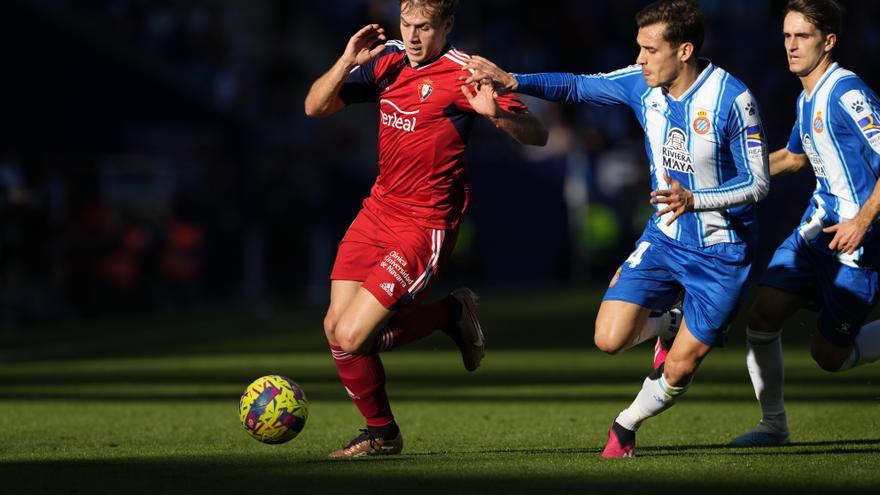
388, 287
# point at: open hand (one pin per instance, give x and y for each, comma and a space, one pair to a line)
677, 199
361, 49
848, 235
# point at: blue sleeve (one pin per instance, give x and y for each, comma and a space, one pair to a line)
795, 145
748, 147
598, 89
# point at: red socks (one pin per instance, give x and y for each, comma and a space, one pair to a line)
413, 324
364, 376
364, 379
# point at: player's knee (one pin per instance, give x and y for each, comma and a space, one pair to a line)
330, 321
828, 361
763, 320
351, 338
679, 372
605, 343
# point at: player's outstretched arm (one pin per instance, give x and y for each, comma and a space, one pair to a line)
595, 89
849, 234
323, 98
784, 161
523, 127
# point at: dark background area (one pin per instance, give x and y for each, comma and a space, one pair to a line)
156, 154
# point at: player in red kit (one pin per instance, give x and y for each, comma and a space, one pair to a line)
407, 227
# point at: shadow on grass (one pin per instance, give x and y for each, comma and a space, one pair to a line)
869, 446
389, 475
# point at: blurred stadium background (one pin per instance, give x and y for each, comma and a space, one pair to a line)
154, 154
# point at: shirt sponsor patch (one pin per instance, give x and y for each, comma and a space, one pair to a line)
675, 152
815, 159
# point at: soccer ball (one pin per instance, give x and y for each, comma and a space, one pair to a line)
273, 409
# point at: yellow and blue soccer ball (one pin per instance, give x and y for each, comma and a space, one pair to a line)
273, 409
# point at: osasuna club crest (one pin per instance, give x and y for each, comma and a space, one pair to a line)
675, 152
425, 89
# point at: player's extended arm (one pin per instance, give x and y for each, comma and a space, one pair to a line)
849, 234
323, 98
595, 89
783, 161
523, 127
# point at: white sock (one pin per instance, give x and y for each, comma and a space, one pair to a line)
663, 325
655, 397
866, 347
764, 362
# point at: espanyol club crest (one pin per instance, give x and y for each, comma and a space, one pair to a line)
818, 125
702, 125
425, 89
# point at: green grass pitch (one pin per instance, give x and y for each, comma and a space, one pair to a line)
127, 406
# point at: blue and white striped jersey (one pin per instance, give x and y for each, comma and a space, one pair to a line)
838, 127
711, 139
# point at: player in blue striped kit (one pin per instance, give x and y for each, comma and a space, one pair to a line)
831, 261
708, 165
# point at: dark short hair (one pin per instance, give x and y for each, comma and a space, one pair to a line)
826, 15
443, 9
683, 19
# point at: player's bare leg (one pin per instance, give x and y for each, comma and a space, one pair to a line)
342, 293
828, 356
621, 325
765, 364
659, 392
350, 324
864, 349
358, 327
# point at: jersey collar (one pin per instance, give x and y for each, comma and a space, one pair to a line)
697, 84
426, 63
831, 68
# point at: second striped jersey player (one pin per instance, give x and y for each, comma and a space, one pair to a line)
838, 129
831, 262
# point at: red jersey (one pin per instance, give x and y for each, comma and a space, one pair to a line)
424, 125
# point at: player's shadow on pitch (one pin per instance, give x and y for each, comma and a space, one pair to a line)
871, 446
796, 448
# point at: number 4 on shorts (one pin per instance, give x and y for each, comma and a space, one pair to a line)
636, 257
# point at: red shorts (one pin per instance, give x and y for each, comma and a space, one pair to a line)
395, 259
